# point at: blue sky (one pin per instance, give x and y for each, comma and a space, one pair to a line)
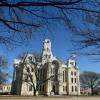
61, 46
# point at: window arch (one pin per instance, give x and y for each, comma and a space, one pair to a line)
55, 63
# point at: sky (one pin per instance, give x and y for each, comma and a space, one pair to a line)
61, 47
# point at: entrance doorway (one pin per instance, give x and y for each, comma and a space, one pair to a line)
53, 89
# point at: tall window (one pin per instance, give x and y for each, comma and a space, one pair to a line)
43, 88
75, 80
72, 89
63, 76
63, 88
72, 80
75, 88
42, 73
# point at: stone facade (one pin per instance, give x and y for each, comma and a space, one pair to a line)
48, 76
5, 88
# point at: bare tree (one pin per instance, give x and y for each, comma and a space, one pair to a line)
3, 71
35, 74
90, 80
25, 16
87, 43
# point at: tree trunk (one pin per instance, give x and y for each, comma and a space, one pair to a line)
92, 91
34, 92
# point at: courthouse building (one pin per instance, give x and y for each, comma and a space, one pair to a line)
47, 76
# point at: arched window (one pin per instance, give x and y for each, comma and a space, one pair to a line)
55, 63
72, 89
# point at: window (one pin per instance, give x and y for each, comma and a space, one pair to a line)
25, 77
32, 69
63, 88
72, 80
71, 73
75, 88
63, 76
43, 88
41, 73
71, 63
48, 41
75, 73
75, 80
47, 49
72, 89
51, 70
30, 58
27, 69
7, 88
30, 87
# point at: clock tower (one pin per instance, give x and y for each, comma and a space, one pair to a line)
47, 53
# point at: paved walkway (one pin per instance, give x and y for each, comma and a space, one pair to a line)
48, 98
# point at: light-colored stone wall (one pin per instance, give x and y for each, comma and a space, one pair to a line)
73, 78
5, 88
